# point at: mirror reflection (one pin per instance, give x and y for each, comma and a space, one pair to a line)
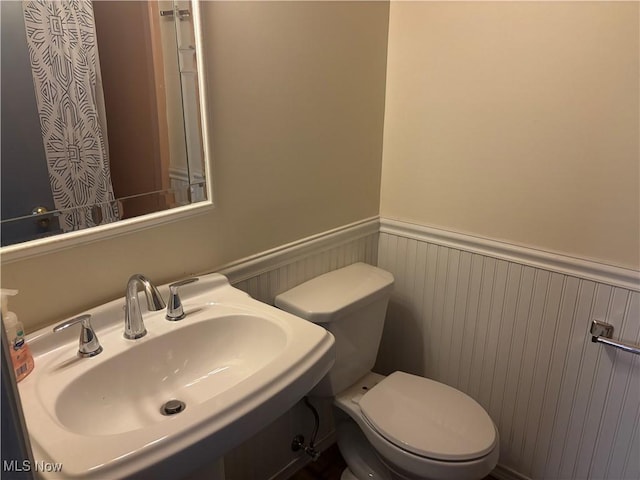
100, 114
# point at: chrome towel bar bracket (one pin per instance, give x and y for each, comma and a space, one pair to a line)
601, 332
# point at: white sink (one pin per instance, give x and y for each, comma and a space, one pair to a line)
204, 358
235, 363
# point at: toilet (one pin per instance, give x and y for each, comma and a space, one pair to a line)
401, 426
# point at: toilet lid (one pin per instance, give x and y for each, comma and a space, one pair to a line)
429, 418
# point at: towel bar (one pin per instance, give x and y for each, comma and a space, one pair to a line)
601, 332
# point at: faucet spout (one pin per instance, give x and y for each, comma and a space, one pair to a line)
133, 323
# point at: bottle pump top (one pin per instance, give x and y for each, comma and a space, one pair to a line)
6, 292
10, 319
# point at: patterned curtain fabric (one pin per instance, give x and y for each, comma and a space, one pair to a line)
62, 45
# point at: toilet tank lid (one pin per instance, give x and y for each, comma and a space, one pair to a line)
330, 296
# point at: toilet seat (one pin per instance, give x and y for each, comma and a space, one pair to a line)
398, 459
428, 418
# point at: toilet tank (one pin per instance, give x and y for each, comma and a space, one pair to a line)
351, 303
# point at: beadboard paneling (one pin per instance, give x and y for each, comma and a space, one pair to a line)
514, 334
268, 454
265, 286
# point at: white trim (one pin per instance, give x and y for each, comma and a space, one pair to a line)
575, 267
266, 261
42, 246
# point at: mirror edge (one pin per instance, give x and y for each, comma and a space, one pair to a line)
204, 96
43, 246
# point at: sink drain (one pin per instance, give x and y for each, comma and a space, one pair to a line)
172, 407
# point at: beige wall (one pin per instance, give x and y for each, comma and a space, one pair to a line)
517, 121
296, 94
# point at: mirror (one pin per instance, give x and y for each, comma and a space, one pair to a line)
102, 118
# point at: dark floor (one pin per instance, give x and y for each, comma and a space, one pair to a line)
328, 467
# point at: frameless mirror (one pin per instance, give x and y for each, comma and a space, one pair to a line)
102, 116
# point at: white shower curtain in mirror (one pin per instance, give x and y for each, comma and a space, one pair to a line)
61, 38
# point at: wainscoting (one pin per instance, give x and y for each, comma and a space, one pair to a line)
510, 327
507, 325
268, 454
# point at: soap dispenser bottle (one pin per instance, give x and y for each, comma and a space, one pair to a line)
21, 356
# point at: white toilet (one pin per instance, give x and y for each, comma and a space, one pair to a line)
399, 426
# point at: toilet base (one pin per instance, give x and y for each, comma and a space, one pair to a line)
361, 459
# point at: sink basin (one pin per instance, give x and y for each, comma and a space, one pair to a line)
193, 364
234, 364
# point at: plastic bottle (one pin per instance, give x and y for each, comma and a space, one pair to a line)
21, 356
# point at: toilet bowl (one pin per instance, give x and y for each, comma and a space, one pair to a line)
408, 427
421, 429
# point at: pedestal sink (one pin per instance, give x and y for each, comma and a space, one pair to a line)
165, 405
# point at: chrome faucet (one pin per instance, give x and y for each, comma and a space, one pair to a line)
89, 346
133, 324
175, 311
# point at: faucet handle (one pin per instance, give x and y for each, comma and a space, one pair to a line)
175, 311
89, 345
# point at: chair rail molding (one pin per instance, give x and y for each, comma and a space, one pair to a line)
524, 255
